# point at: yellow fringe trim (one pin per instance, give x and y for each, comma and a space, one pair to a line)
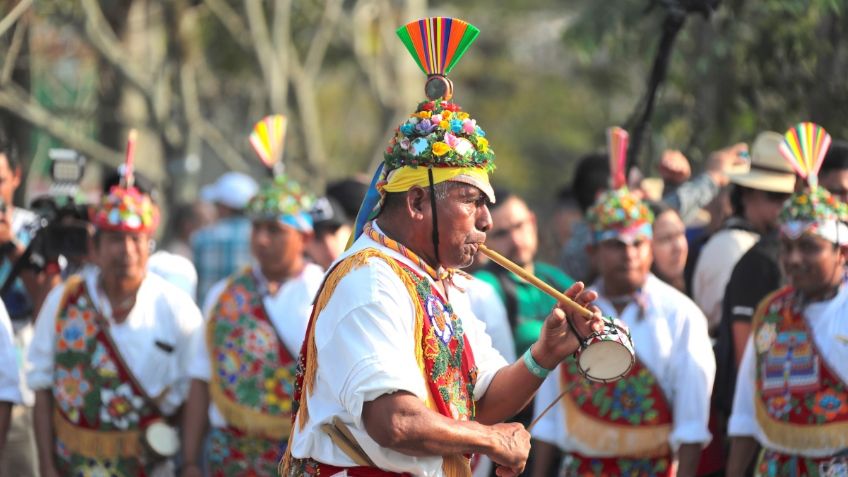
615, 439
95, 444
246, 419
799, 437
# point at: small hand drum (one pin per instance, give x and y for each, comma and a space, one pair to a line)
161, 439
606, 356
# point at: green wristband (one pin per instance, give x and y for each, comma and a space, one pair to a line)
535, 368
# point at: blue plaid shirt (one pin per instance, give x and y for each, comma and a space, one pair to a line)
220, 250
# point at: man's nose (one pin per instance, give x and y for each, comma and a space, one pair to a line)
484, 219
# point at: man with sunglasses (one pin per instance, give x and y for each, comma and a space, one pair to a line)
792, 388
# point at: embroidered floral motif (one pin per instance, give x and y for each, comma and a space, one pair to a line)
74, 332
120, 406
71, 390
766, 337
231, 455
779, 406
280, 388
829, 404
103, 363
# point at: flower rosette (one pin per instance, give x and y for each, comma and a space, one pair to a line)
285, 200
126, 210
618, 210
439, 134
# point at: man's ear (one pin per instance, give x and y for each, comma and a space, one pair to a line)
417, 202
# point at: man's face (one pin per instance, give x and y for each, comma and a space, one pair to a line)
669, 245
122, 256
623, 265
10, 179
763, 208
275, 245
463, 221
325, 247
514, 233
811, 263
836, 182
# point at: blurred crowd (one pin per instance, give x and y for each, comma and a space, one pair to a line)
715, 251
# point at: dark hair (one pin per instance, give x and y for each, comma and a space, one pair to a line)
736, 193
590, 177
836, 158
8, 149
142, 183
349, 194
502, 195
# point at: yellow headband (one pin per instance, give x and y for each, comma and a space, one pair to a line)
404, 178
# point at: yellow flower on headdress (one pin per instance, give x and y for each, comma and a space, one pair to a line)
440, 148
424, 114
802, 199
444, 124
447, 114
462, 115
482, 144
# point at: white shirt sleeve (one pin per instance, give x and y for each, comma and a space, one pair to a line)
488, 307
550, 427
199, 366
9, 378
189, 323
367, 332
42, 348
692, 377
743, 420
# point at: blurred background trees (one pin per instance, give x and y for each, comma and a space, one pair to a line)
544, 79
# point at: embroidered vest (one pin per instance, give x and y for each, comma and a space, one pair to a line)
252, 379
800, 402
629, 419
442, 351
99, 408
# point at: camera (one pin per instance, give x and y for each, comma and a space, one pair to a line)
62, 228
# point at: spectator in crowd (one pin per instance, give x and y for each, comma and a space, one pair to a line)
19, 456
185, 220
332, 229
790, 391
669, 246
566, 216
757, 197
110, 351
654, 418
10, 386
223, 247
349, 193
256, 322
591, 177
514, 235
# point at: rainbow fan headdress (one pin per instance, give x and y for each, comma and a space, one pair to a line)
618, 214
281, 198
812, 209
438, 142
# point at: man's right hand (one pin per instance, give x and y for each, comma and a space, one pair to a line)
512, 446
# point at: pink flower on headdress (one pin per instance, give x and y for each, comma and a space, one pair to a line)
404, 143
451, 140
469, 126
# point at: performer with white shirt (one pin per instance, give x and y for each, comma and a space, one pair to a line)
111, 350
656, 414
396, 375
244, 359
10, 392
792, 386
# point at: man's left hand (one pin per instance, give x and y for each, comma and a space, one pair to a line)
557, 340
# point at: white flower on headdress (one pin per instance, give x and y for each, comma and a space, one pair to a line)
765, 337
120, 406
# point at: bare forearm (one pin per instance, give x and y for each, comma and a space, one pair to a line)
5, 418
512, 388
742, 450
43, 422
687, 460
195, 421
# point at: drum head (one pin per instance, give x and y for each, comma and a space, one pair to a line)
605, 361
162, 439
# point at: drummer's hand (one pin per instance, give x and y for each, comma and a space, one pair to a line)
557, 341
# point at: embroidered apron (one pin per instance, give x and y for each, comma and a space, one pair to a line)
99, 408
252, 383
800, 402
629, 419
443, 352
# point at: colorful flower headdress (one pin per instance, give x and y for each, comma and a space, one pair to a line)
438, 142
282, 198
125, 208
812, 210
618, 213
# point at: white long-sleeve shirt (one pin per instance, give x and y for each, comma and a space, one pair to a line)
365, 344
829, 327
10, 390
671, 340
162, 313
288, 310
